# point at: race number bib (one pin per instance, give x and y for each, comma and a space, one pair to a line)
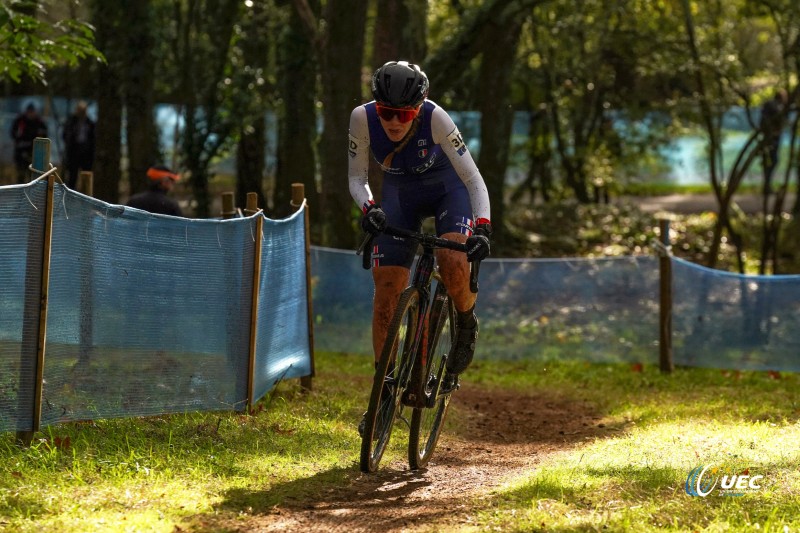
457, 141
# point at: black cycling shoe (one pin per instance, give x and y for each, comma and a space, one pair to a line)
449, 383
463, 348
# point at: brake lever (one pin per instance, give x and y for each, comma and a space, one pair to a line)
473, 276
364, 248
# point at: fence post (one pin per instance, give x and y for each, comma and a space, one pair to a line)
33, 333
252, 204
298, 197
252, 208
86, 186
86, 182
228, 207
665, 299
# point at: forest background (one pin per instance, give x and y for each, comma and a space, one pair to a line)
604, 89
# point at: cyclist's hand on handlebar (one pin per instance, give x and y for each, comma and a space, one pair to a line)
374, 220
478, 247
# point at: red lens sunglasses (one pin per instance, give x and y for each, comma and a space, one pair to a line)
403, 114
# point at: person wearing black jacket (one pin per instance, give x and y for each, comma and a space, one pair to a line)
79, 141
155, 199
25, 128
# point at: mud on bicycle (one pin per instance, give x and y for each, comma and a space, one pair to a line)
411, 369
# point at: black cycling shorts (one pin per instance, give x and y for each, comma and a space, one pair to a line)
407, 204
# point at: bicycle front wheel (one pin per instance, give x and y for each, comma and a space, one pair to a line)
427, 423
390, 376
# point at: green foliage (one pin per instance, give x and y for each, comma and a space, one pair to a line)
570, 229
30, 45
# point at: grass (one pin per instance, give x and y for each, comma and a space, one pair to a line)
149, 474
178, 471
634, 481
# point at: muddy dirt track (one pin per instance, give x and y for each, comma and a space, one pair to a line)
502, 435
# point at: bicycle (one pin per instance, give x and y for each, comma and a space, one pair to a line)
411, 367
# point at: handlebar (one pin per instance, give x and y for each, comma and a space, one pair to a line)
425, 240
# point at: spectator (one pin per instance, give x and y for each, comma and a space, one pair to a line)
771, 125
155, 199
79, 143
25, 128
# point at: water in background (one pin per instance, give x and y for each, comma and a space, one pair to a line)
684, 158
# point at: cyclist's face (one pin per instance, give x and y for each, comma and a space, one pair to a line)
395, 129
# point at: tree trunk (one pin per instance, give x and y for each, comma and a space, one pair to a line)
341, 92
142, 135
109, 104
297, 119
497, 116
256, 51
400, 30
250, 154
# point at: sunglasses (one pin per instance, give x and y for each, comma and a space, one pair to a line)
403, 114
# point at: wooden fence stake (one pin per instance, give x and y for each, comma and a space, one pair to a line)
35, 334
228, 206
298, 197
665, 300
252, 203
86, 182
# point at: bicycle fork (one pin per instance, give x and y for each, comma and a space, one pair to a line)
414, 395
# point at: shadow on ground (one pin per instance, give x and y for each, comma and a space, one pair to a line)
493, 436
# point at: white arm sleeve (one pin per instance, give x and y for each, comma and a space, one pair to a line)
358, 160
446, 134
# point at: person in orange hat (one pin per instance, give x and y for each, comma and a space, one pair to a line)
155, 199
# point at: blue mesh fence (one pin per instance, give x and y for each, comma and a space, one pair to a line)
593, 309
283, 349
21, 238
147, 314
725, 320
150, 314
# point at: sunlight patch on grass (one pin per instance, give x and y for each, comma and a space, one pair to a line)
637, 481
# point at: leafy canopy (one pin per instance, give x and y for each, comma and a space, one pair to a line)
29, 45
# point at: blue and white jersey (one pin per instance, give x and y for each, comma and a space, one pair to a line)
436, 151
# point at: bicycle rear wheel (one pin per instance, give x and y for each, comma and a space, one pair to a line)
427, 423
393, 369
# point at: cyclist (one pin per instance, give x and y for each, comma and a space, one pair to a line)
427, 172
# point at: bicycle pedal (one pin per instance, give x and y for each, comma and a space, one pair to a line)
450, 384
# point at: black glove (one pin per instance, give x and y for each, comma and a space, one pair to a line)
374, 220
478, 247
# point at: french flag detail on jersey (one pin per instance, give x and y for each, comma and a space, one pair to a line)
465, 226
376, 256
366, 205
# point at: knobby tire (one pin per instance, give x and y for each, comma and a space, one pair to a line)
427, 423
396, 352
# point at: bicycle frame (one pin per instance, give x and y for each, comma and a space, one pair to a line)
410, 381
421, 281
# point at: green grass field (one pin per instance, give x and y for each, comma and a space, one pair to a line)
172, 473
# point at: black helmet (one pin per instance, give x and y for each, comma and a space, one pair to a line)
399, 84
